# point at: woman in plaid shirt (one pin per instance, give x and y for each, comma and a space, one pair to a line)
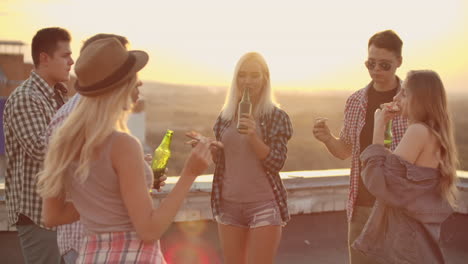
248, 197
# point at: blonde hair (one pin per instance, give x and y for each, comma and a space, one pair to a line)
428, 105
78, 138
266, 102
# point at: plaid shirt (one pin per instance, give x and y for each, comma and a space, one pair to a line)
68, 236
276, 130
354, 121
119, 248
60, 116
27, 112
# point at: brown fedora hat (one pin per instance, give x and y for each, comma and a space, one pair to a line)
106, 64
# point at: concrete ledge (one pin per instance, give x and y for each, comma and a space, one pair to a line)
308, 192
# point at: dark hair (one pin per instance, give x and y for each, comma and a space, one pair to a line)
46, 41
123, 40
388, 40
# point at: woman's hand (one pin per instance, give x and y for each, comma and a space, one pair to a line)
379, 118
214, 145
382, 116
249, 125
386, 113
198, 160
161, 181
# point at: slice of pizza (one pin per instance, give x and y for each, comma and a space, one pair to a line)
391, 107
197, 137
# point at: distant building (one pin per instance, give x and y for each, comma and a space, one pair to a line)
13, 70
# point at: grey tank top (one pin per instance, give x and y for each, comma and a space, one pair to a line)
98, 199
245, 179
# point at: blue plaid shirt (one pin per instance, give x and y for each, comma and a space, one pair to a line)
276, 130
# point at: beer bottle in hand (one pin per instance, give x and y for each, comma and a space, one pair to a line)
161, 157
388, 137
245, 107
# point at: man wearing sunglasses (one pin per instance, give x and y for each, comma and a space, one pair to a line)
384, 58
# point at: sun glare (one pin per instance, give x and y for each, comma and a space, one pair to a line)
308, 45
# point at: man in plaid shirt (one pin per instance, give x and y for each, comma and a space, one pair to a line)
27, 112
384, 58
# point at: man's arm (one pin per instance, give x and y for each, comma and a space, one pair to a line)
339, 148
28, 124
336, 146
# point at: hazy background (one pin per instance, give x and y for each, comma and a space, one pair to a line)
309, 45
315, 50
185, 108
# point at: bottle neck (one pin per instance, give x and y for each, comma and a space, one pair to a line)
166, 142
246, 96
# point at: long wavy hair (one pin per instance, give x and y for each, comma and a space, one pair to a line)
266, 101
80, 136
428, 105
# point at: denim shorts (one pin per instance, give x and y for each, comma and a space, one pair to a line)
249, 215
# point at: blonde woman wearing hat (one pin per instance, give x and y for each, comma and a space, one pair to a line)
95, 171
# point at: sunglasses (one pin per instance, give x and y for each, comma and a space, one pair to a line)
383, 65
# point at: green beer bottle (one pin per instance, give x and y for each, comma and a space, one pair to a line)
161, 157
245, 107
388, 136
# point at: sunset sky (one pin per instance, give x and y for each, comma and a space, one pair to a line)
309, 45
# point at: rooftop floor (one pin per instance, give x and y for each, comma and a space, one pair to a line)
317, 232
311, 238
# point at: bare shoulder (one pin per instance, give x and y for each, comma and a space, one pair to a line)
418, 132
413, 142
125, 143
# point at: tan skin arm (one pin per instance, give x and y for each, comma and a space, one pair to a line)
413, 143
150, 223
56, 211
335, 146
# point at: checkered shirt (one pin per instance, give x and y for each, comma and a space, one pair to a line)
276, 130
119, 248
61, 115
354, 121
27, 112
68, 236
